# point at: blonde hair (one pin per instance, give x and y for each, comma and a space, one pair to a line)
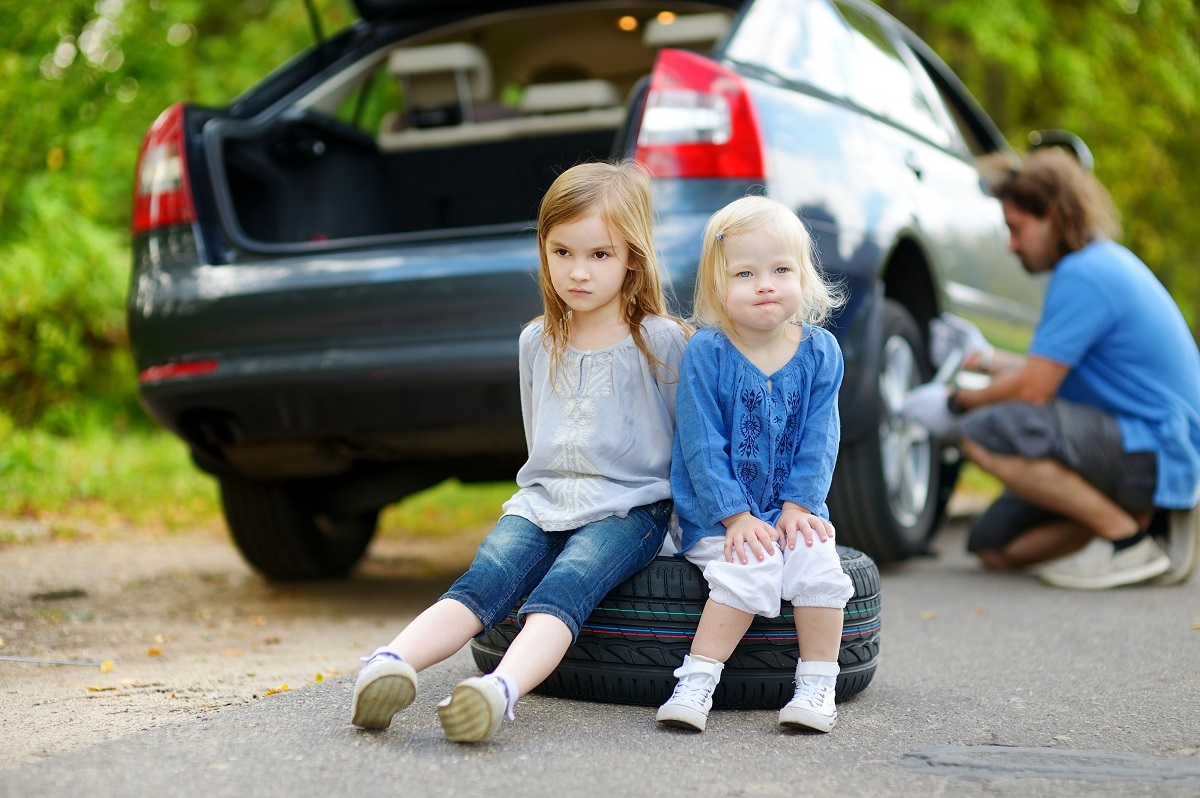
620, 194
818, 298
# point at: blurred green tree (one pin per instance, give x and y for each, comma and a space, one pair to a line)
1123, 74
80, 82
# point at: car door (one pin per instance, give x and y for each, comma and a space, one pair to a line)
963, 224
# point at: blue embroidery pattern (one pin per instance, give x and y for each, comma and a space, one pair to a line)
750, 426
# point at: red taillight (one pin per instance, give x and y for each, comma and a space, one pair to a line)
174, 371
162, 194
698, 121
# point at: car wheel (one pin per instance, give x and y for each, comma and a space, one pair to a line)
888, 490
283, 536
632, 642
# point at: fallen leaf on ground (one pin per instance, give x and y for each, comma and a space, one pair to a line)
283, 688
231, 652
319, 678
258, 620
980, 610
928, 615
154, 652
92, 689
107, 666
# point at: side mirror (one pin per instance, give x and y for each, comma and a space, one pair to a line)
1063, 139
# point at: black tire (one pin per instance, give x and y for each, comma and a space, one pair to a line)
629, 646
283, 535
891, 516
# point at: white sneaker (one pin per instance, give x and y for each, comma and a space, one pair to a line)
811, 707
1098, 565
1183, 546
474, 710
690, 703
385, 685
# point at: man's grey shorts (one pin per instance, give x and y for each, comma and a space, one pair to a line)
1086, 440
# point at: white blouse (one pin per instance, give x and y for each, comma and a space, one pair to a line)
600, 431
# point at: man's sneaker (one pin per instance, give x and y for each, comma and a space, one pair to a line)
811, 707
689, 704
474, 710
386, 685
1183, 546
1098, 565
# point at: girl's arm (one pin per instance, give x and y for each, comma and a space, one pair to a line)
703, 437
531, 339
820, 433
668, 346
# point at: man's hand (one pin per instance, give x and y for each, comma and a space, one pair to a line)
927, 405
795, 522
744, 530
950, 332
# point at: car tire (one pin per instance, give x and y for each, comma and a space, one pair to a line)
891, 488
632, 642
283, 536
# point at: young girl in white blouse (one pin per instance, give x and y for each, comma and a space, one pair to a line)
754, 454
598, 373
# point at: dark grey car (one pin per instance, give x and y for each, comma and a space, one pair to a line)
330, 273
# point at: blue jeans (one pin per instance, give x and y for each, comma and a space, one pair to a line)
564, 574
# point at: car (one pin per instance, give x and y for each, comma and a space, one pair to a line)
330, 273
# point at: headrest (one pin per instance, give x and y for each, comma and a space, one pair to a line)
444, 59
574, 95
695, 30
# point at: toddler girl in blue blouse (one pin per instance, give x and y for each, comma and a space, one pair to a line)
755, 444
598, 375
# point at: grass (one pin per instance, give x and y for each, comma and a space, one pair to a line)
99, 479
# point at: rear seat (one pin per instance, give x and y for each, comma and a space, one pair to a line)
572, 106
448, 87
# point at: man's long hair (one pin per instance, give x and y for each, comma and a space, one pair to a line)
1050, 182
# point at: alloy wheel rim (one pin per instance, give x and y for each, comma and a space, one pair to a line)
906, 448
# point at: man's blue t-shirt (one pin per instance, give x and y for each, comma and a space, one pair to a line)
1130, 352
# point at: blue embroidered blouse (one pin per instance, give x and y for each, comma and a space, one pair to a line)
745, 440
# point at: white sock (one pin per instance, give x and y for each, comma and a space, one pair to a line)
508, 688
384, 651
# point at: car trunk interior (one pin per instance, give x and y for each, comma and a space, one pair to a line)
283, 193
457, 128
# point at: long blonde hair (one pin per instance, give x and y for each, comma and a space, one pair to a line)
620, 194
818, 298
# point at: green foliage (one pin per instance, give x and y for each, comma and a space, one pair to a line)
1123, 74
448, 508
80, 83
101, 478
62, 333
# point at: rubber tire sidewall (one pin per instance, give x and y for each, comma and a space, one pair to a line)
283, 536
630, 645
858, 497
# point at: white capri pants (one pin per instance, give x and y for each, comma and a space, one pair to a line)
807, 576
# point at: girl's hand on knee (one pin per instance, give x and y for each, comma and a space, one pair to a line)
744, 530
796, 522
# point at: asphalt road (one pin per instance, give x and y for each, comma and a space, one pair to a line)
987, 685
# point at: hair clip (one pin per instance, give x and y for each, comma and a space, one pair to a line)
720, 236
